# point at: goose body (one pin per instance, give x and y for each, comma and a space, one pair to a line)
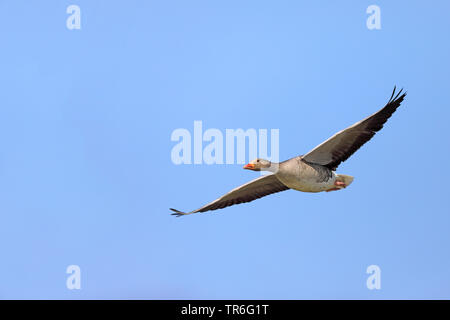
311, 172
300, 175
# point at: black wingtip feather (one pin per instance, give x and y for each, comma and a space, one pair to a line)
177, 213
398, 96
393, 92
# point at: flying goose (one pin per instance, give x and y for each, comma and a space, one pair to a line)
312, 172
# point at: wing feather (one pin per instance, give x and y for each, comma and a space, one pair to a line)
343, 144
250, 191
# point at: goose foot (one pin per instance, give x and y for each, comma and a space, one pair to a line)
340, 184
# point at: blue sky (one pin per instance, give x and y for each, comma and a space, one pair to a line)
86, 176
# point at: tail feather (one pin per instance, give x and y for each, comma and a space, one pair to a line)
345, 179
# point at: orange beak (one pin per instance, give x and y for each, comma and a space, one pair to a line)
249, 166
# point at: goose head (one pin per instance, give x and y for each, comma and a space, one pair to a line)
258, 165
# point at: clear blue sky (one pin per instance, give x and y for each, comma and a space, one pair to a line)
86, 176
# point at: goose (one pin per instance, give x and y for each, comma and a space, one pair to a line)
311, 172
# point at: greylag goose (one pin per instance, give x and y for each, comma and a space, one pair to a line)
311, 172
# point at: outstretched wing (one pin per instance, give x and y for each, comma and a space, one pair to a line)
250, 191
343, 144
